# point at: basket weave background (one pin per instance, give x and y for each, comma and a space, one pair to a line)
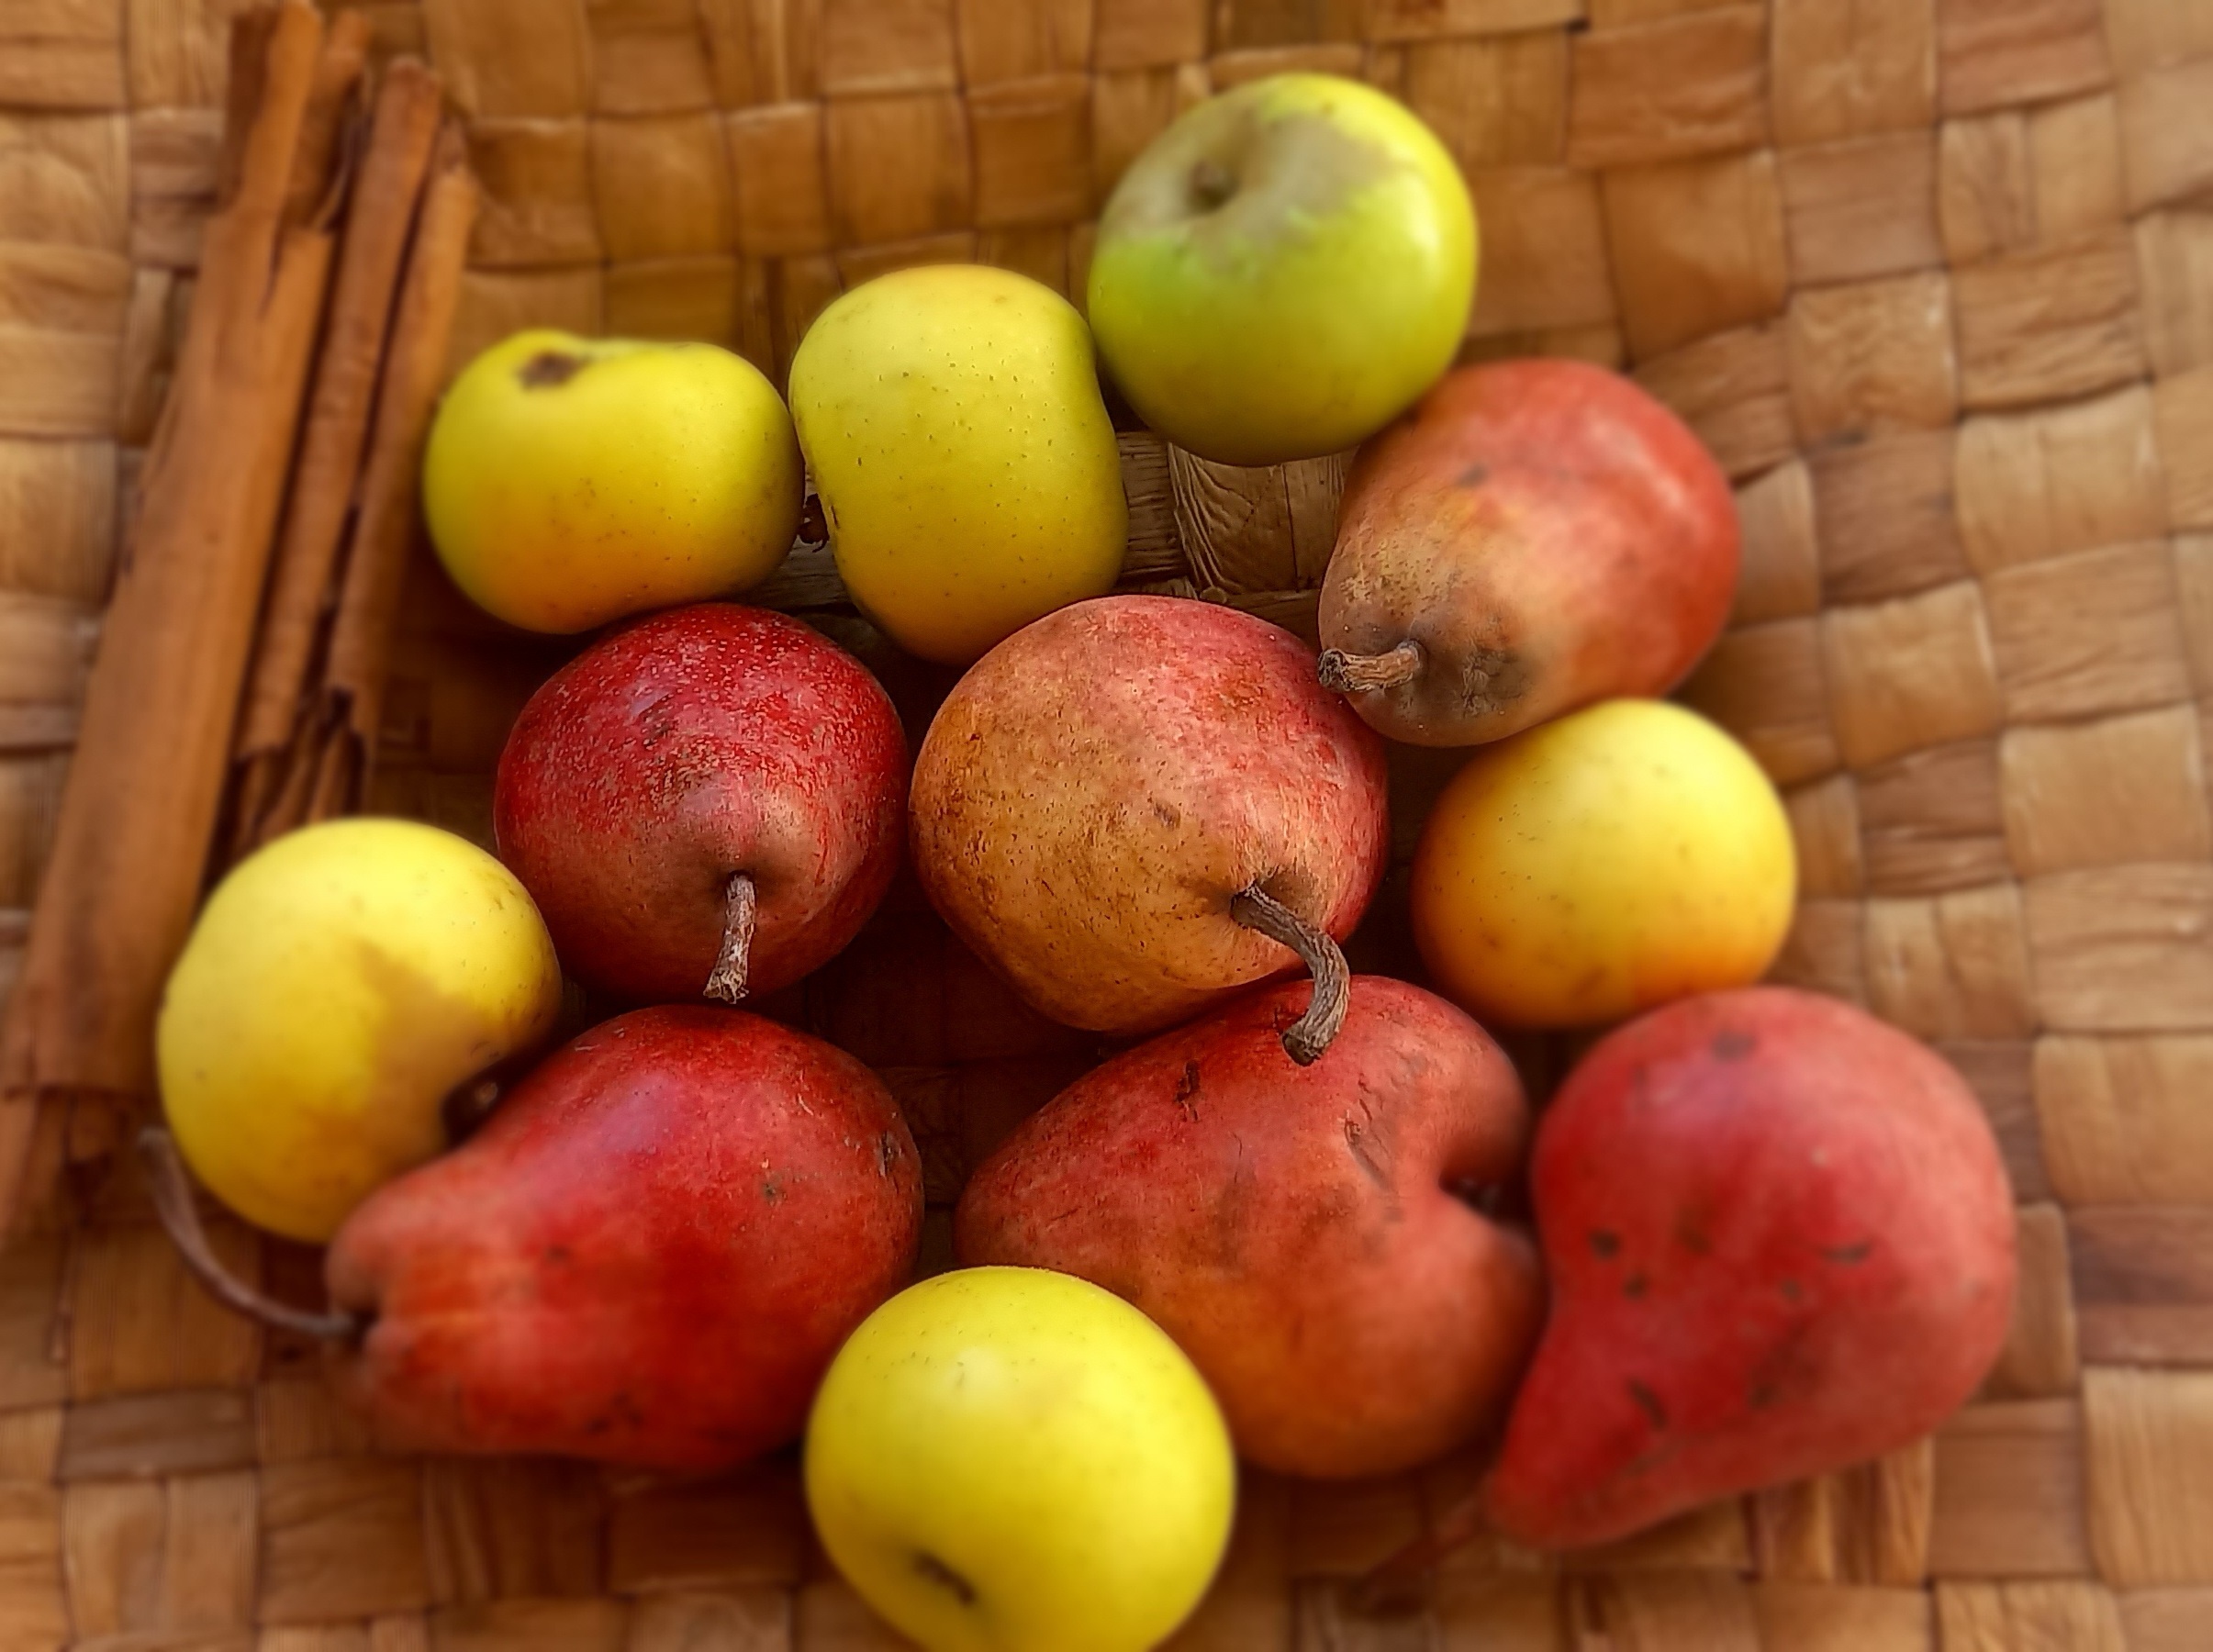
1929, 275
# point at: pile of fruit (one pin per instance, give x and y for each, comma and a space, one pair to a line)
1771, 1236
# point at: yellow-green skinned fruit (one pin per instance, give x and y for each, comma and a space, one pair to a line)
1284, 270
338, 984
571, 481
952, 419
1599, 865
1004, 1460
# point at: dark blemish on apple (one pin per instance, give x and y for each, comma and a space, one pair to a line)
1475, 475
1763, 1396
1848, 1256
886, 1154
1693, 1237
1733, 1046
772, 1190
548, 368
945, 1577
559, 1253
1604, 1244
1648, 1403
1186, 1091
1793, 1292
1634, 1287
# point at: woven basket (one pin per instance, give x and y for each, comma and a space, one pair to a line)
1925, 274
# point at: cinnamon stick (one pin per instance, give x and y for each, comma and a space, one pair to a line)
386, 192
139, 811
377, 558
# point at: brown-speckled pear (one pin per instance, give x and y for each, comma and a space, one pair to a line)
647, 1256
1138, 804
1534, 536
1780, 1241
1305, 1234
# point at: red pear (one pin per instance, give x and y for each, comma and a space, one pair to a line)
706, 801
1780, 1241
1302, 1232
647, 1255
1139, 804
1534, 536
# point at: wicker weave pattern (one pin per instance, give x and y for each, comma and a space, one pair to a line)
1930, 275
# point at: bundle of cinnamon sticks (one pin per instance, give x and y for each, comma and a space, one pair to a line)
237, 688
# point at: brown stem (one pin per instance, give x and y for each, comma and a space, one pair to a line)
468, 1104
1399, 1579
1343, 673
740, 907
1306, 1038
173, 1200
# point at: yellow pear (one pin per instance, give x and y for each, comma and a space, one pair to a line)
338, 985
570, 481
951, 420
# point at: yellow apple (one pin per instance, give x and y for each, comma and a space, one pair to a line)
1284, 270
571, 481
1009, 1460
967, 470
338, 983
1628, 854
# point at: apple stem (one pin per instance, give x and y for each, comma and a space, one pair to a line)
173, 1202
740, 908
1306, 1038
1343, 673
1213, 183
468, 1104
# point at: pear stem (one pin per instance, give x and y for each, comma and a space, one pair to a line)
1397, 1582
172, 1201
1306, 1038
740, 908
1343, 673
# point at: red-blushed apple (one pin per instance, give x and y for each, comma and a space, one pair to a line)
705, 802
1302, 1232
1532, 537
647, 1255
1780, 1241
1138, 804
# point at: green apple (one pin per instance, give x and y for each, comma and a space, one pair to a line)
338, 984
1009, 1460
967, 468
1284, 270
570, 481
